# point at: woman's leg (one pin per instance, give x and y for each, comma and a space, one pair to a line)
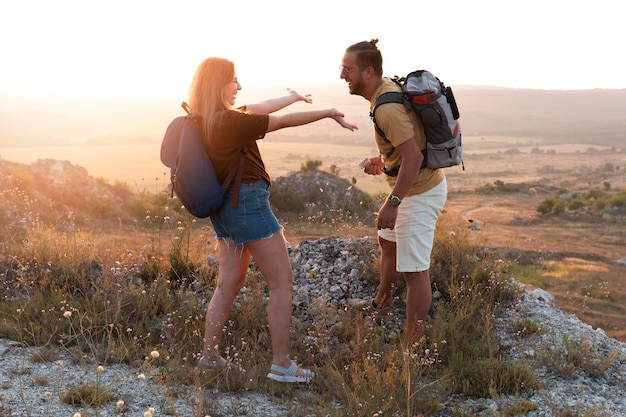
233, 264
272, 258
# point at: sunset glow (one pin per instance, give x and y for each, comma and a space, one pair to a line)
121, 49
114, 73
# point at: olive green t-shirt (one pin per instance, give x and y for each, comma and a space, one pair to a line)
400, 126
233, 130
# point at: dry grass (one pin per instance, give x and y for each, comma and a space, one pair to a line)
134, 285
114, 297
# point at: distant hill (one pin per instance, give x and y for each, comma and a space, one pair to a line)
581, 116
577, 116
562, 116
65, 195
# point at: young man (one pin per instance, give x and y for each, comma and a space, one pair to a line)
406, 221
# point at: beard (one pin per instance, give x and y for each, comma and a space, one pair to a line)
357, 87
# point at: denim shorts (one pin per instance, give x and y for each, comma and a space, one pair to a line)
251, 220
414, 231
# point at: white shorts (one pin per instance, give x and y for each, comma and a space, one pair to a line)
414, 231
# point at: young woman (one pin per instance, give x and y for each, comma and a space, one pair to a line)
249, 230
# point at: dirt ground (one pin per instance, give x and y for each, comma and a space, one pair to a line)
578, 259
578, 256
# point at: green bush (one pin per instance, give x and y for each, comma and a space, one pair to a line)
575, 204
545, 207
286, 199
310, 165
594, 194
618, 199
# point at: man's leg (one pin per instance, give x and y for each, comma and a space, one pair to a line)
418, 300
415, 233
388, 274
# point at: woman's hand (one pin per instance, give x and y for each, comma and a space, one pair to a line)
299, 97
338, 117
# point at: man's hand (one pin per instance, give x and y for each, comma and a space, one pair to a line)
374, 166
387, 216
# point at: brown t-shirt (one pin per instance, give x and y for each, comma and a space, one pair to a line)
232, 132
400, 126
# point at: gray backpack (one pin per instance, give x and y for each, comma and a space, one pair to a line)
434, 103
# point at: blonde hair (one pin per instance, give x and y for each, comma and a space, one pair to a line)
205, 92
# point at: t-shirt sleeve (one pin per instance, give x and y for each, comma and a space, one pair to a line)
232, 132
247, 126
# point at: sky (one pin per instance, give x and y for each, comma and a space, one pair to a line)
130, 49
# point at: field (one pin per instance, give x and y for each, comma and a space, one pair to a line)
580, 256
548, 139
576, 258
95, 242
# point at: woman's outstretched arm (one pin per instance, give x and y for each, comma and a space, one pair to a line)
275, 104
277, 122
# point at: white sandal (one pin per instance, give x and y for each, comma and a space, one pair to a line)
281, 374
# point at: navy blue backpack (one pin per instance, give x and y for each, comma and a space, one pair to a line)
192, 174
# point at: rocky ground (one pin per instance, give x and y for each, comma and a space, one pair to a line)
326, 271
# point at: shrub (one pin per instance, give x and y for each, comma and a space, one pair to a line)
552, 206
574, 353
87, 396
286, 199
310, 165
545, 207
335, 170
575, 204
594, 194
618, 199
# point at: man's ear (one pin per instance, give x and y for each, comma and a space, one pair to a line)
369, 72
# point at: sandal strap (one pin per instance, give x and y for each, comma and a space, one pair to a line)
291, 371
280, 374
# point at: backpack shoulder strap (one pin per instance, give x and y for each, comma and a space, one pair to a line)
388, 97
393, 97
